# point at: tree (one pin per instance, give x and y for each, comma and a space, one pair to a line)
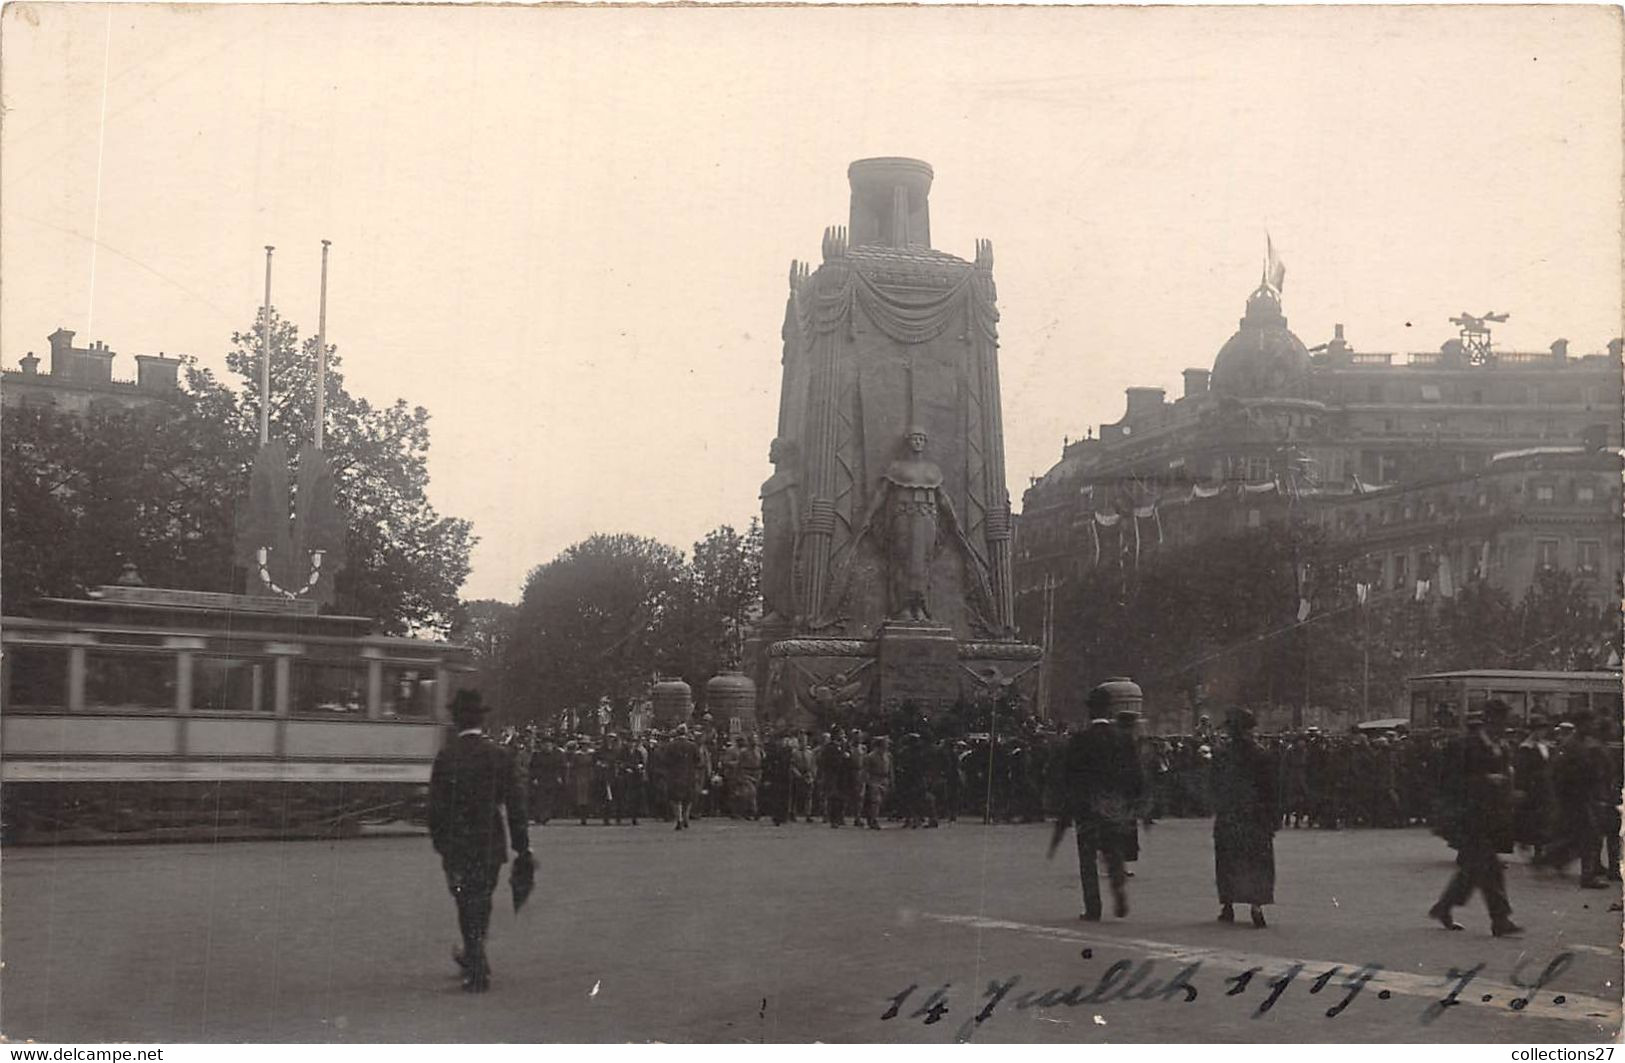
604, 618
486, 626
597, 622
85, 494
405, 562
162, 487
721, 593
1558, 627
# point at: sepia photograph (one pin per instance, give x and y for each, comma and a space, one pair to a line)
502, 504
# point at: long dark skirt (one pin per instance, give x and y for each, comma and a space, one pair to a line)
1244, 861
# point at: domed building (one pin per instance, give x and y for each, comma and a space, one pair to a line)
1263, 359
1428, 470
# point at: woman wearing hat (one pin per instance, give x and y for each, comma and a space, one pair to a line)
1245, 819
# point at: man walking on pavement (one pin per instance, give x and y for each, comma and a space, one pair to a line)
1482, 777
1103, 786
473, 782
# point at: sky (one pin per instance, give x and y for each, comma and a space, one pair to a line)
567, 232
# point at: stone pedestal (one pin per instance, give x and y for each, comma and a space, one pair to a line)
919, 663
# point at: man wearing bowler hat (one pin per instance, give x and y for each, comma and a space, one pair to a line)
1481, 778
473, 782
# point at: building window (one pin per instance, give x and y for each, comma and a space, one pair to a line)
1430, 393
38, 678
1255, 519
1478, 396
1258, 470
1546, 553
1545, 492
1374, 393
1401, 570
1588, 556
1585, 493
232, 684
128, 680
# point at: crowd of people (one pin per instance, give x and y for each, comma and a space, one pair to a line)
1387, 779
1551, 788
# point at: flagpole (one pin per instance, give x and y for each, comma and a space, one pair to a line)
321, 350
265, 355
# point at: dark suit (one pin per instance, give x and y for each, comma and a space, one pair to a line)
1104, 784
1480, 769
473, 782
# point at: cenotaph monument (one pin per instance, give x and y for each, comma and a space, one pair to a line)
886, 522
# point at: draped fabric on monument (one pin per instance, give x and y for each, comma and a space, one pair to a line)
885, 358
888, 509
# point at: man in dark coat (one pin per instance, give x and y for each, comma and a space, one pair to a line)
546, 779
684, 766
1104, 786
1581, 778
473, 782
1480, 771
835, 771
1532, 776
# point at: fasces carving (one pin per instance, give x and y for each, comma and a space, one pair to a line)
780, 533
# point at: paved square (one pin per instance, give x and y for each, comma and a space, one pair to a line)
743, 931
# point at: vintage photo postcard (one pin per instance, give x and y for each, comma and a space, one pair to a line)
1064, 525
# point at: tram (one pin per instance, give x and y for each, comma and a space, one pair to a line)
141, 713
1446, 697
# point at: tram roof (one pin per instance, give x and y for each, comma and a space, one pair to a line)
1513, 675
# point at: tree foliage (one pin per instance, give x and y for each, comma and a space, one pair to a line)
599, 622
162, 487
1205, 627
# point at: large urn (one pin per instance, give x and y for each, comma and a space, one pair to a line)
730, 698
673, 701
1118, 694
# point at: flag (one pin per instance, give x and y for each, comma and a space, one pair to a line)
1275, 269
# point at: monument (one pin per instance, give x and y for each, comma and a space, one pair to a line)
886, 522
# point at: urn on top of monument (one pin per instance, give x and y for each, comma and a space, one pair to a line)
890, 204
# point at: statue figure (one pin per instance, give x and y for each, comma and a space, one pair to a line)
912, 497
780, 525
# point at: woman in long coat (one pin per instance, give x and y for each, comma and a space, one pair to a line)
1245, 820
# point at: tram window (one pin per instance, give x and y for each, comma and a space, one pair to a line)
39, 677
1516, 701
406, 692
231, 684
1549, 703
115, 680
322, 689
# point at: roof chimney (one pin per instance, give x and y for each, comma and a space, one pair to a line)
1195, 382
889, 203
1142, 401
1560, 351
154, 372
30, 364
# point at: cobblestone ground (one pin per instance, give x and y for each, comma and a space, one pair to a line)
743, 931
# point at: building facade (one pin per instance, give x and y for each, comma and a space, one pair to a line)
80, 378
1425, 471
